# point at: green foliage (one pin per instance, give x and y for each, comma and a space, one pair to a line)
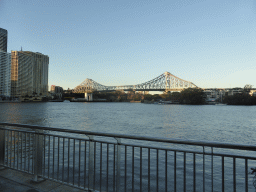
240, 99
193, 96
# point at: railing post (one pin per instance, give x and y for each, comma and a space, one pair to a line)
2, 146
118, 161
38, 156
91, 162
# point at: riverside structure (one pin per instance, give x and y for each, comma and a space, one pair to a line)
119, 162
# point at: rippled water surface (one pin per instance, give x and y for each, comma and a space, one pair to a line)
203, 122
233, 124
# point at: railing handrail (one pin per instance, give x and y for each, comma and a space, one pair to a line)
147, 138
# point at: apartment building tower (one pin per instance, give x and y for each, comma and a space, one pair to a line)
5, 65
3, 40
5, 74
29, 74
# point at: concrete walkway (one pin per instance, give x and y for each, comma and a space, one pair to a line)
15, 181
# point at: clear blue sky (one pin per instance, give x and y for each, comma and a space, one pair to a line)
211, 43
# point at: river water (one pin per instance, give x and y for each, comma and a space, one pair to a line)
232, 124
201, 122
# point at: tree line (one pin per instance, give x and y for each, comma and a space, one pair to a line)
192, 96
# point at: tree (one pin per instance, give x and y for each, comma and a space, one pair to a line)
193, 96
176, 96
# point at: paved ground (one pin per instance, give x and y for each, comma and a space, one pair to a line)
15, 181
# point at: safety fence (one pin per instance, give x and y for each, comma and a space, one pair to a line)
115, 162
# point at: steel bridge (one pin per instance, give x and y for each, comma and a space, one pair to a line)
164, 82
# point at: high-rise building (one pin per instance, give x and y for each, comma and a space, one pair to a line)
29, 74
21, 74
5, 74
5, 65
3, 40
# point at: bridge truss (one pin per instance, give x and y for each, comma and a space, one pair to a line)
164, 82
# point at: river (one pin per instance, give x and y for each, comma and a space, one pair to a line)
199, 122
221, 123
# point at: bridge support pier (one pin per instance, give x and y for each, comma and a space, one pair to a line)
88, 96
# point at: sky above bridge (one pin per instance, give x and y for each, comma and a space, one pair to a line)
211, 43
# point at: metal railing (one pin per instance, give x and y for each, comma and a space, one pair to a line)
115, 162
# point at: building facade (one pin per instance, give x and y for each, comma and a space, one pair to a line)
29, 74
40, 72
21, 74
56, 92
3, 40
5, 74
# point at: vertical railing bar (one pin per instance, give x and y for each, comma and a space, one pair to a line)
53, 156
68, 157
49, 154
132, 168
33, 139
184, 162
223, 187
18, 133
107, 164
85, 164
100, 165
14, 150
175, 171
157, 154
58, 168
25, 155
21, 145
63, 157
29, 138
140, 168
18, 153
8, 148
234, 174
148, 169
79, 162
44, 154
74, 159
94, 165
166, 168
8, 135
125, 167
203, 169
21, 151
114, 168
246, 174
118, 164
33, 143
11, 150
22, 140
91, 162
3, 146
212, 167
34, 155
194, 171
